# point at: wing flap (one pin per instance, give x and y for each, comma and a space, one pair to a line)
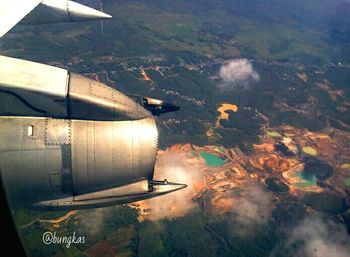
13, 11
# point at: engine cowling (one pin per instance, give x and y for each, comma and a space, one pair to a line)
67, 141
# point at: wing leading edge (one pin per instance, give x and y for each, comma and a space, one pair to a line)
44, 11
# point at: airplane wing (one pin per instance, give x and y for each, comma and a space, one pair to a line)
13, 11
44, 11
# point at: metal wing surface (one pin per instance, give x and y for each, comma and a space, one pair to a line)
13, 11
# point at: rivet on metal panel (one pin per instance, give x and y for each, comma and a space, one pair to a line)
54, 180
101, 90
57, 132
155, 143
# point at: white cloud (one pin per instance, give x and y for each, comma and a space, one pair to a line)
180, 168
251, 209
237, 73
316, 237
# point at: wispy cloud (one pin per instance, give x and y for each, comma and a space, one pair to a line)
251, 209
180, 168
317, 237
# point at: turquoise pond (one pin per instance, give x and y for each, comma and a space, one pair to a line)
308, 180
212, 160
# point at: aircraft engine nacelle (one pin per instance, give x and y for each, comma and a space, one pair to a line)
69, 142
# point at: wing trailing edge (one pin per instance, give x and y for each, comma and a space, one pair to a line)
13, 11
44, 12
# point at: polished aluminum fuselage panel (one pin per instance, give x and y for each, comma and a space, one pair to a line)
44, 158
122, 151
